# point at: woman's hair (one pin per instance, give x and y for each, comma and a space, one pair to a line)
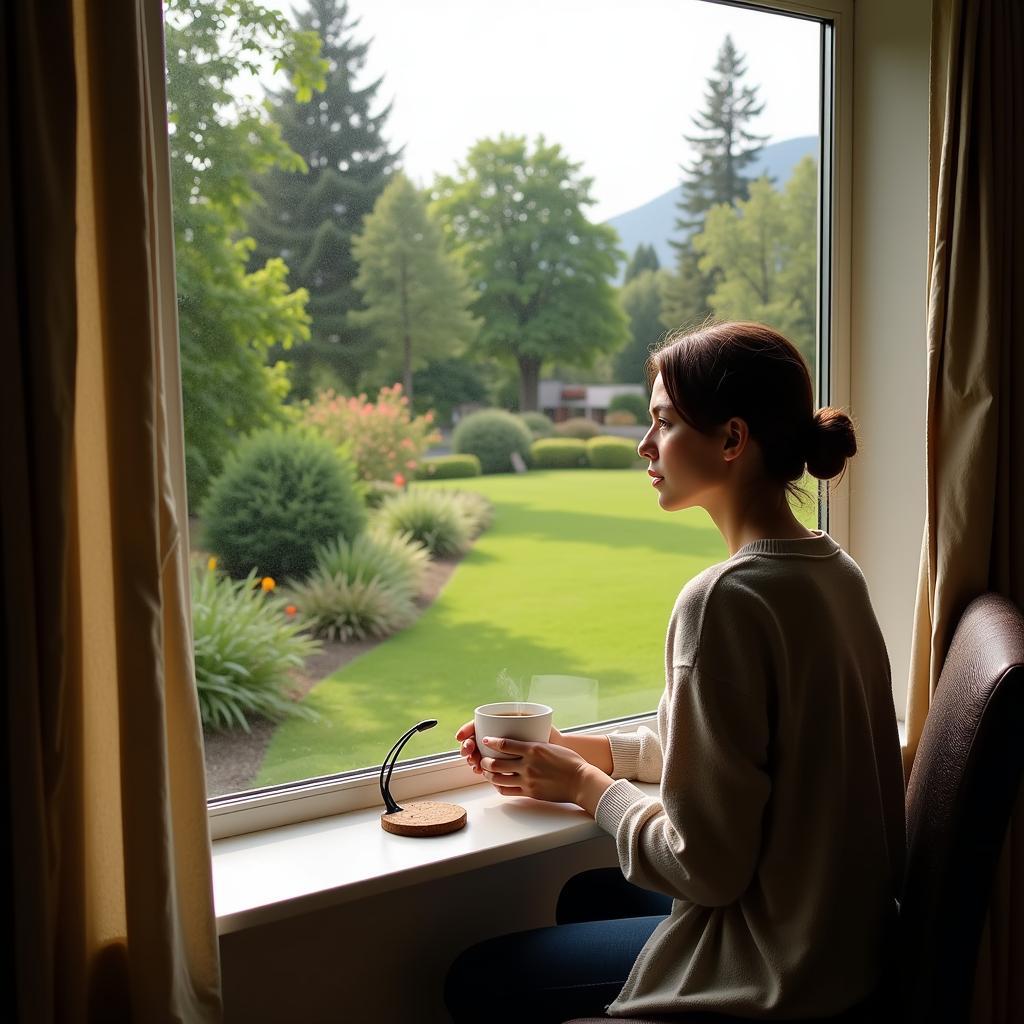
748, 370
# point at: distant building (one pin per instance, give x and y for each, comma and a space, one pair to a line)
562, 401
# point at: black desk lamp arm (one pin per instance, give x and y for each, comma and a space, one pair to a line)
393, 754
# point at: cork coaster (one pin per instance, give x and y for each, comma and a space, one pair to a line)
427, 818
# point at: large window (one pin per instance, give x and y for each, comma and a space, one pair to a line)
423, 252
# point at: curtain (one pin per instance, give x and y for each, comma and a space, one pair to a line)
973, 538
108, 859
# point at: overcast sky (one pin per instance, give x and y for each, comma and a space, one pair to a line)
615, 84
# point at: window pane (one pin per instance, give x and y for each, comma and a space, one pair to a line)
415, 244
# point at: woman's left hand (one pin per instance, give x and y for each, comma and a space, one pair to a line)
544, 771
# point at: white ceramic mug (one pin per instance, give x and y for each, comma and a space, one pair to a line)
511, 719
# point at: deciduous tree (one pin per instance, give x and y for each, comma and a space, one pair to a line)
414, 291
540, 269
641, 299
228, 318
763, 253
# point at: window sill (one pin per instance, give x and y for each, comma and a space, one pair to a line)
282, 872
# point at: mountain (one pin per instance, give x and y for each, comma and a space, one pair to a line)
654, 222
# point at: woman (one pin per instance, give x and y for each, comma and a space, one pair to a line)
777, 842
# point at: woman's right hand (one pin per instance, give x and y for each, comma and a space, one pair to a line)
468, 749
467, 736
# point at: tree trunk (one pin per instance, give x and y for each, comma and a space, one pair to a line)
529, 384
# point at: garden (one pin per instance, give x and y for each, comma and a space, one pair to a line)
332, 608
353, 570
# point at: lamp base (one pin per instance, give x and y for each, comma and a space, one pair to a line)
426, 818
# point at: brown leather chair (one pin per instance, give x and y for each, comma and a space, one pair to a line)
960, 796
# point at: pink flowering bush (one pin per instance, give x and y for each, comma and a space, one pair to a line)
383, 439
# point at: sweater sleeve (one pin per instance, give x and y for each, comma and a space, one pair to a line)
636, 755
701, 840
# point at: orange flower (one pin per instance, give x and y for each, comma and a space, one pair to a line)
290, 610
211, 564
399, 480
268, 583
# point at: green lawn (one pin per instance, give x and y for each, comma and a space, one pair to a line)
576, 577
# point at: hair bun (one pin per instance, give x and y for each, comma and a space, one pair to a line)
831, 441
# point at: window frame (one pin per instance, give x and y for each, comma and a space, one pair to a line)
308, 799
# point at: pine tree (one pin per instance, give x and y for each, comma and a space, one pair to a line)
645, 258
725, 148
725, 145
309, 219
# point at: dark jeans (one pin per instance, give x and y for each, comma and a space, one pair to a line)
575, 969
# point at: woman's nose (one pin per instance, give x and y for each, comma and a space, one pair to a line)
645, 449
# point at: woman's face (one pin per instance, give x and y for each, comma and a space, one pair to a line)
685, 465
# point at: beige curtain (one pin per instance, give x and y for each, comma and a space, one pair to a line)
109, 860
974, 535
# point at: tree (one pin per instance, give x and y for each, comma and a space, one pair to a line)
764, 252
308, 219
228, 319
539, 268
645, 258
685, 293
641, 299
725, 146
414, 291
446, 384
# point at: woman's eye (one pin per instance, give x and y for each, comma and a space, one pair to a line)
663, 423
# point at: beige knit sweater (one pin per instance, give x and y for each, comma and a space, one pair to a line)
780, 825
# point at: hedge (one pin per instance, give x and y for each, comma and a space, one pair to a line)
612, 453
448, 467
578, 427
494, 436
558, 453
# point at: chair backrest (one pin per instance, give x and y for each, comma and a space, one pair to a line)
961, 793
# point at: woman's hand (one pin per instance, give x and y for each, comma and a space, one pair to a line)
468, 748
544, 771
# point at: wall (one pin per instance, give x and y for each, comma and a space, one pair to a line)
384, 959
889, 259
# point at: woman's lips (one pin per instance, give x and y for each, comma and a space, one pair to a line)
655, 479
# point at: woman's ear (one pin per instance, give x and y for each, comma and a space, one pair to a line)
736, 433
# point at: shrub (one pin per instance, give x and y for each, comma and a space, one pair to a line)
612, 453
620, 418
558, 453
279, 497
344, 610
448, 467
538, 424
376, 492
492, 435
636, 404
244, 646
431, 516
579, 427
382, 438
395, 559
475, 509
